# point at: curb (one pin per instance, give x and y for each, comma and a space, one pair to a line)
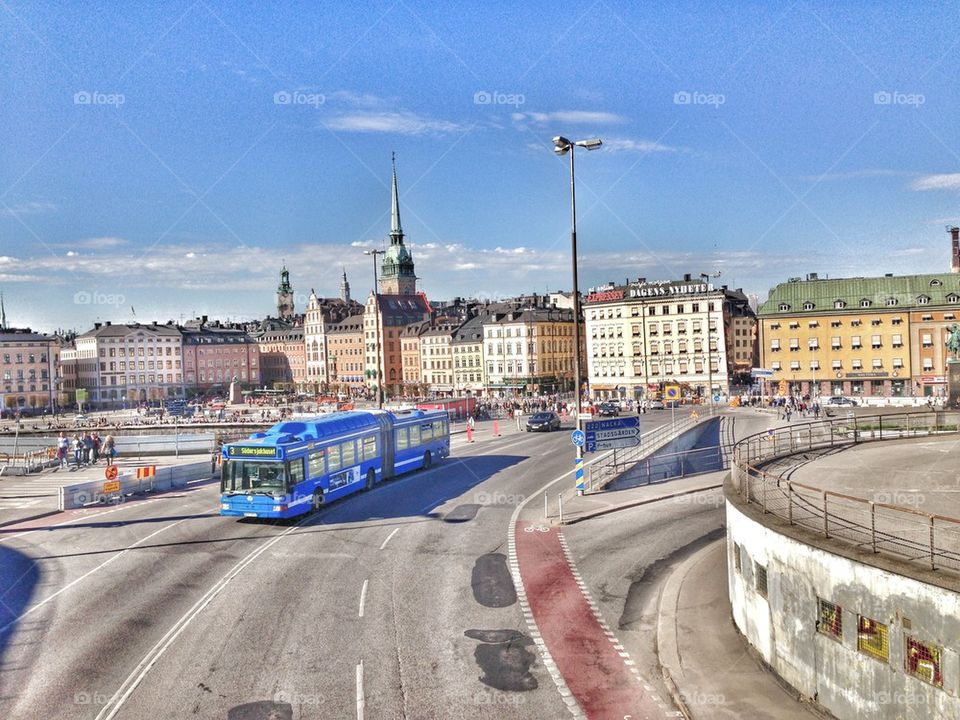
668, 652
639, 503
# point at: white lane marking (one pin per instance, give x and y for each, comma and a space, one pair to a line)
123, 693
389, 537
363, 596
360, 701
87, 574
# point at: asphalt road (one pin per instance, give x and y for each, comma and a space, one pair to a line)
395, 603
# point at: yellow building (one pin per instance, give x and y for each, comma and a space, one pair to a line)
858, 336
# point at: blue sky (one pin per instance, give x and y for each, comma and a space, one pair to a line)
169, 157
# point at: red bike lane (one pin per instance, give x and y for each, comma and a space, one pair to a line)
587, 654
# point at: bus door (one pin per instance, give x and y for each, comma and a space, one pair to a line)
386, 446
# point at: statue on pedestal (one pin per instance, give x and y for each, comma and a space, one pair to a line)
953, 343
236, 397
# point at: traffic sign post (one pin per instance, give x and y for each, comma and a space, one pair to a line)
612, 434
578, 438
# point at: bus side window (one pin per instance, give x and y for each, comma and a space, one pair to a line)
333, 458
296, 471
426, 433
415, 438
316, 464
348, 453
370, 447
401, 438
438, 429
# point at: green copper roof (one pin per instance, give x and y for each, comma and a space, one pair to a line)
859, 294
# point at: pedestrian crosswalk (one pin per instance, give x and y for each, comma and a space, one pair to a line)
38, 492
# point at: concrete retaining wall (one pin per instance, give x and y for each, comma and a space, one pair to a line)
99, 491
844, 680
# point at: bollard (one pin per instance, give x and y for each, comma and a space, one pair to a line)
560, 505
469, 434
496, 428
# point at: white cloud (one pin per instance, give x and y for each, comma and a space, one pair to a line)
398, 123
570, 117
949, 181
27, 208
100, 243
640, 146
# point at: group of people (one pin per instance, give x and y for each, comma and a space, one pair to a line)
85, 449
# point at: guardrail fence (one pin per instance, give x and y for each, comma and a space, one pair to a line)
887, 528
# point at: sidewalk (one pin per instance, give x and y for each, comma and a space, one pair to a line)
705, 661
578, 508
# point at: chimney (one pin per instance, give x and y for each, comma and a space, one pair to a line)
109, 323
687, 277
955, 249
97, 326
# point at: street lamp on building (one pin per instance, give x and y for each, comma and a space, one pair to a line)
707, 277
376, 320
562, 146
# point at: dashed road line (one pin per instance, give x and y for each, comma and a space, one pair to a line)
361, 702
363, 596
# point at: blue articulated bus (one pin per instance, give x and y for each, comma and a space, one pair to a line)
298, 465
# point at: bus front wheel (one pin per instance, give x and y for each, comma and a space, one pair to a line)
317, 500
371, 478
427, 460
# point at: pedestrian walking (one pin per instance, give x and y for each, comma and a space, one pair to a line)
63, 448
77, 446
96, 442
109, 449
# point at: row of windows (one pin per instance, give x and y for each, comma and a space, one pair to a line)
876, 341
614, 312
857, 322
951, 298
31, 374
855, 364
31, 358
342, 455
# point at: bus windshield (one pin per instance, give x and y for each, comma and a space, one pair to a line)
254, 477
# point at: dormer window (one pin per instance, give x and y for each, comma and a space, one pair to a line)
935, 283
839, 304
865, 303
783, 307
808, 306
953, 297
891, 301
923, 300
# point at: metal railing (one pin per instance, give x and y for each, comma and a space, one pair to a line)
902, 532
611, 465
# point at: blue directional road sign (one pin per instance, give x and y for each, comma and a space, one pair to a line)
612, 433
578, 438
716, 397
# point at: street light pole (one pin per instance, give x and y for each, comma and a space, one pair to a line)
561, 147
376, 318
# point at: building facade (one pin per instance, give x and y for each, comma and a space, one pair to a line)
346, 355
125, 365
466, 348
282, 355
528, 347
436, 358
645, 334
861, 337
29, 366
410, 357
214, 354
322, 314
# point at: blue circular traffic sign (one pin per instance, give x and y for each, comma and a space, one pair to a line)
578, 438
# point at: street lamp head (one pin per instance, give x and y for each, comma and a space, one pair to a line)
591, 144
561, 145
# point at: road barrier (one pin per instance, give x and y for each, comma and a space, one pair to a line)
128, 483
891, 529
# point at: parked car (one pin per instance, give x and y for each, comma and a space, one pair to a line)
80, 419
839, 400
543, 421
656, 405
608, 409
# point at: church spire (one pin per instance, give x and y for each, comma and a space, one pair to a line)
396, 231
3, 313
